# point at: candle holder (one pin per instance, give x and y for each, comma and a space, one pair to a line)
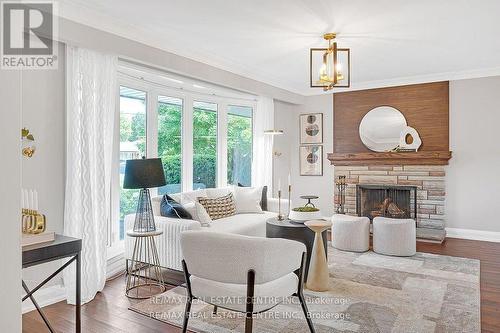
341, 185
280, 216
289, 200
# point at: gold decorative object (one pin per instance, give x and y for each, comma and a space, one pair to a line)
330, 67
33, 222
28, 149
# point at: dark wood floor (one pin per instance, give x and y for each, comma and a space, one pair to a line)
108, 312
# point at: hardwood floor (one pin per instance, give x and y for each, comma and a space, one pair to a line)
108, 312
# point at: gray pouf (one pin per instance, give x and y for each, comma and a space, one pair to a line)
350, 233
394, 237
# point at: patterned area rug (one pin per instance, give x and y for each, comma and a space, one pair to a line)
368, 293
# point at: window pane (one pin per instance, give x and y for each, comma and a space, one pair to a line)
204, 145
239, 145
132, 144
169, 142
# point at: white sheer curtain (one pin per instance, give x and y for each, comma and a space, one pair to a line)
262, 163
91, 80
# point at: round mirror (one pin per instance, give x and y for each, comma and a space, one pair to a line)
381, 128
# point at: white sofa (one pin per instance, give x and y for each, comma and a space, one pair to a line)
168, 244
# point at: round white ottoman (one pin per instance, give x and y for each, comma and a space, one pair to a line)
394, 237
350, 233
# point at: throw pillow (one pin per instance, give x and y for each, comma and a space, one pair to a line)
263, 201
202, 215
171, 208
218, 208
247, 199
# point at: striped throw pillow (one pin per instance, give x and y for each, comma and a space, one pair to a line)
218, 208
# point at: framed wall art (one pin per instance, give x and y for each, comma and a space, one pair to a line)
311, 160
311, 128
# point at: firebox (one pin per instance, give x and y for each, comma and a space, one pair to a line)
386, 200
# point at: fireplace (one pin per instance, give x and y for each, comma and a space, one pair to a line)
386, 200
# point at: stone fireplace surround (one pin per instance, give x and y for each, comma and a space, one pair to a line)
430, 183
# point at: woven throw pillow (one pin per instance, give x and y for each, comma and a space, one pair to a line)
218, 208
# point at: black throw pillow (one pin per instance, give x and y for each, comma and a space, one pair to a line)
171, 208
263, 200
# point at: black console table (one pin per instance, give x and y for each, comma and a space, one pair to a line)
295, 231
61, 247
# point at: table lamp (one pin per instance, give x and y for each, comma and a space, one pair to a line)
143, 174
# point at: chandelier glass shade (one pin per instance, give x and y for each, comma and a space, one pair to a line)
330, 67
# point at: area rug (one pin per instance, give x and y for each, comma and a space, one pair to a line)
368, 293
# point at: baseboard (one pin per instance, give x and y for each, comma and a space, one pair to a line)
488, 236
45, 296
115, 265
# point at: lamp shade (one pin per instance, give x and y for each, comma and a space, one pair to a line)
144, 173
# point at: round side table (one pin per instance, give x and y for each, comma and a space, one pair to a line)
144, 278
294, 231
318, 268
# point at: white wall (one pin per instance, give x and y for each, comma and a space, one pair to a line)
287, 118
43, 94
473, 175
10, 205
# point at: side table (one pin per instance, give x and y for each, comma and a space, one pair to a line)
318, 268
294, 231
61, 247
144, 277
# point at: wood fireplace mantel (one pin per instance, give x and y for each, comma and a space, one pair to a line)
391, 158
425, 108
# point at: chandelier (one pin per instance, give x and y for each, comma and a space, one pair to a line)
330, 67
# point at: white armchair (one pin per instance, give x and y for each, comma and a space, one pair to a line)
242, 273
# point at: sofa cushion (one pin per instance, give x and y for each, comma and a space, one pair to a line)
263, 200
219, 207
185, 198
171, 208
243, 224
247, 199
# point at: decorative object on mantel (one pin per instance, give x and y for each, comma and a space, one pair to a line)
409, 140
341, 185
311, 128
33, 224
143, 174
381, 128
311, 160
330, 67
289, 194
28, 148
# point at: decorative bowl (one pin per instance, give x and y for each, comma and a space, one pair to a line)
302, 217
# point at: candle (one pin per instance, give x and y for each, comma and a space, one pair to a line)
36, 200
32, 200
22, 198
289, 179
279, 184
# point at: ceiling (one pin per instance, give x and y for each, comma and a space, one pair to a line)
392, 41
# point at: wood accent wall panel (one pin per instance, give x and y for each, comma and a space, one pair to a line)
425, 107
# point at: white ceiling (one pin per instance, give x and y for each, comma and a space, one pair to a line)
392, 41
